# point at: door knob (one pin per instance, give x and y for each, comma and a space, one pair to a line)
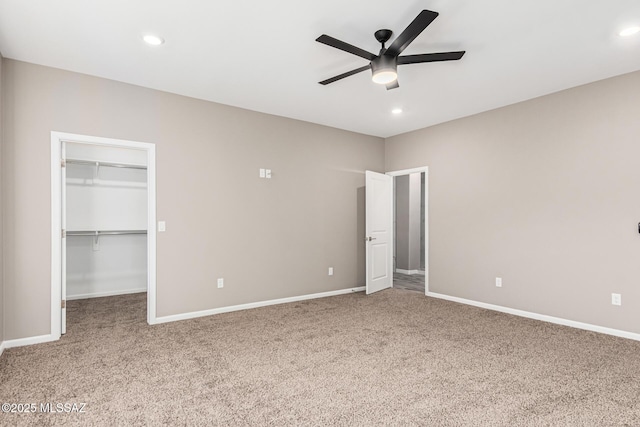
368, 239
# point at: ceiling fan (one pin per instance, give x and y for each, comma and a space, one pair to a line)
384, 65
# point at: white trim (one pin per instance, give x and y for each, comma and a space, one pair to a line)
1, 348
21, 342
402, 172
105, 294
195, 314
410, 272
427, 266
56, 240
542, 317
408, 171
151, 234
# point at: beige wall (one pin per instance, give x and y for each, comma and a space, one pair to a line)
546, 195
267, 238
543, 194
1, 211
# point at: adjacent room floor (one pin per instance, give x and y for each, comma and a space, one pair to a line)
392, 358
409, 282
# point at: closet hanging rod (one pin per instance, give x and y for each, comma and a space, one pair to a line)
109, 164
104, 232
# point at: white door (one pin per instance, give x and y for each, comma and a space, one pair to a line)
63, 249
378, 227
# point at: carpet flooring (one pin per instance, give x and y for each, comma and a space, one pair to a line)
392, 358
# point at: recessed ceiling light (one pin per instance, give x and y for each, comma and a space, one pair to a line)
629, 31
397, 111
153, 40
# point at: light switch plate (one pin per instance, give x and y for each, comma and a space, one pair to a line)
262, 173
162, 226
268, 173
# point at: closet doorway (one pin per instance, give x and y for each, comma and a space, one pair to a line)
103, 222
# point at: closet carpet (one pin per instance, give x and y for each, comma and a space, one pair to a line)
392, 358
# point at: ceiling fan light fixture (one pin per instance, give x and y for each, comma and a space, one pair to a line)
384, 70
384, 77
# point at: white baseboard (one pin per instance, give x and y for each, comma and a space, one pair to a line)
20, 342
1, 347
410, 272
105, 294
542, 317
195, 314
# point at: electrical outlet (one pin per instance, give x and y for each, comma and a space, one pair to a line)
330, 271
616, 299
498, 282
221, 283
262, 173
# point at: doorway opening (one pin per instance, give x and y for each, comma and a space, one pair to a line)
103, 227
410, 229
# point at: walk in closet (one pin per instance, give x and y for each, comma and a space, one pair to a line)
105, 221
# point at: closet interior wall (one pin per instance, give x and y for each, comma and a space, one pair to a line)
107, 200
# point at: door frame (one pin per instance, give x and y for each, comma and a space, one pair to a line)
57, 138
403, 172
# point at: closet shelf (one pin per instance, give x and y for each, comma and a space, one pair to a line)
108, 164
95, 233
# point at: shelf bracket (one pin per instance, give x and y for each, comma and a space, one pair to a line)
96, 241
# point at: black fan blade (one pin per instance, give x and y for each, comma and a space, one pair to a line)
393, 85
430, 57
338, 44
343, 75
414, 29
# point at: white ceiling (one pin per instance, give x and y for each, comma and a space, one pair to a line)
262, 55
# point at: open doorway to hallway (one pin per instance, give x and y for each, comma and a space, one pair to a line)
409, 232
